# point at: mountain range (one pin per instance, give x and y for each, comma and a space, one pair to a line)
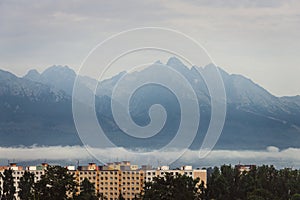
36, 109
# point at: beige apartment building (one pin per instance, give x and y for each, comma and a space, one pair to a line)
113, 179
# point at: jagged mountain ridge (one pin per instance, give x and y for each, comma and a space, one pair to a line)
255, 118
32, 112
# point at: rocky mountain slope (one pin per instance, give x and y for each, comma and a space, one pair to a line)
36, 109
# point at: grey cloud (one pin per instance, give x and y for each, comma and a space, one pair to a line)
33, 32
272, 156
239, 3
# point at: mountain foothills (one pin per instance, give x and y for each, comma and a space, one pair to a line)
37, 109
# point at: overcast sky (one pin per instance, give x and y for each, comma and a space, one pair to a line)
258, 38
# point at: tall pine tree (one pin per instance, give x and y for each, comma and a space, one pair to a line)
26, 186
8, 185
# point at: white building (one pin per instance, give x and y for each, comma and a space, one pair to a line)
18, 172
184, 170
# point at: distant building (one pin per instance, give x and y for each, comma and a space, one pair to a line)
245, 168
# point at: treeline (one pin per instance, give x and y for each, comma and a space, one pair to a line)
229, 183
260, 183
224, 183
